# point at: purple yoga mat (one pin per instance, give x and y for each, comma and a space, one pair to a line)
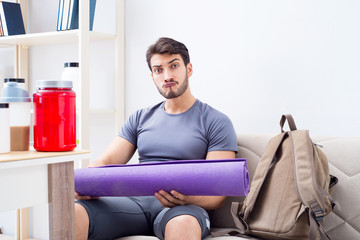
228, 177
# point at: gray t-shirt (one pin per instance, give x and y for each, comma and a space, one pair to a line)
160, 136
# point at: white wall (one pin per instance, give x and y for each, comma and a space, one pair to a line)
255, 60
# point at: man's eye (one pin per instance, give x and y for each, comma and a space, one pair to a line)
175, 66
157, 70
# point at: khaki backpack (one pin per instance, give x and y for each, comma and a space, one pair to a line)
289, 193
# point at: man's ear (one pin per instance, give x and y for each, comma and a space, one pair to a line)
189, 69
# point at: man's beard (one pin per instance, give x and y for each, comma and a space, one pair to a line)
174, 94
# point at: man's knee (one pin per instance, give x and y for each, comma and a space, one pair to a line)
184, 222
81, 222
180, 220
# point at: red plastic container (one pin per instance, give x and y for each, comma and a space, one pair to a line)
54, 116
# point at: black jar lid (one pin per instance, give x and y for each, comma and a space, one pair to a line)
71, 64
18, 80
4, 105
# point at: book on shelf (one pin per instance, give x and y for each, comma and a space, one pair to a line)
11, 19
68, 14
1, 31
73, 17
65, 14
60, 15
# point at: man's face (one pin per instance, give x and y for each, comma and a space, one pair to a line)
170, 74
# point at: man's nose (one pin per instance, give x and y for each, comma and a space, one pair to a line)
167, 76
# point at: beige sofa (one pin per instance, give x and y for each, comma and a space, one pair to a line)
344, 162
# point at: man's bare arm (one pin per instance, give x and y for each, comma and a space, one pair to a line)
119, 151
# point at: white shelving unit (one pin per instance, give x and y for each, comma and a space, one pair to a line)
82, 37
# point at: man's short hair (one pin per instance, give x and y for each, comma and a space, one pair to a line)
167, 46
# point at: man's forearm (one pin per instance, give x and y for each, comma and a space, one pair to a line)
175, 198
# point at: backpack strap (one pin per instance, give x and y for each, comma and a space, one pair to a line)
304, 171
307, 188
290, 121
317, 230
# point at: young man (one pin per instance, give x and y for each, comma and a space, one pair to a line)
179, 128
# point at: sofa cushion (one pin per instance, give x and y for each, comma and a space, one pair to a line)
344, 162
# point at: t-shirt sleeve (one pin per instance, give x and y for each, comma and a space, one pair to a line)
222, 135
129, 129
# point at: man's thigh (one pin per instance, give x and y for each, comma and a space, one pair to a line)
114, 217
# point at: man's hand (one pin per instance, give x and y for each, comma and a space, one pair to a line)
79, 197
171, 199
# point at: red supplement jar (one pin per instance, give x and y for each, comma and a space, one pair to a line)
54, 116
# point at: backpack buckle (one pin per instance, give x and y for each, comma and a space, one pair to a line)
319, 215
317, 211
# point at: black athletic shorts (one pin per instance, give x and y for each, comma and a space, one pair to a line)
114, 217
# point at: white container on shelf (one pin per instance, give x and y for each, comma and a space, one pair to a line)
4, 128
71, 73
19, 114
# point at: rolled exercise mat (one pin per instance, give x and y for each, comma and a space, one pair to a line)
227, 177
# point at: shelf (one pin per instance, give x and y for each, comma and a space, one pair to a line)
51, 38
5, 237
34, 155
